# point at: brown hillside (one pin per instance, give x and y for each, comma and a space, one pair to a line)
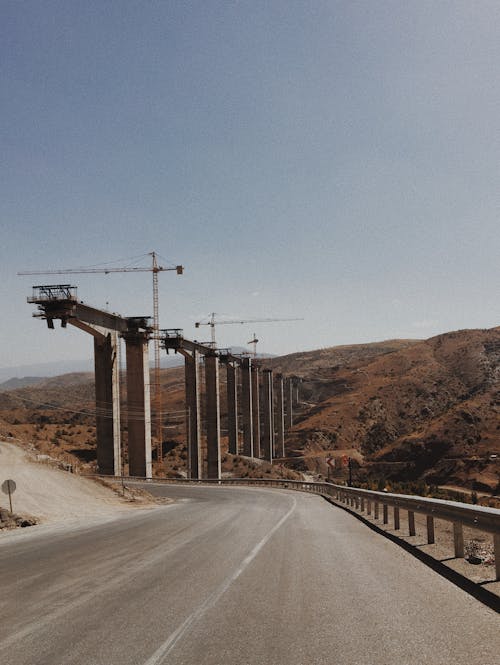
428, 410
404, 409
56, 416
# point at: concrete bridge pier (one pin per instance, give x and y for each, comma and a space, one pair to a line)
138, 403
296, 385
256, 410
289, 402
212, 415
232, 407
280, 418
107, 396
268, 415
193, 412
107, 400
247, 406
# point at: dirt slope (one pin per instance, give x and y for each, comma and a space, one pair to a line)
429, 410
50, 494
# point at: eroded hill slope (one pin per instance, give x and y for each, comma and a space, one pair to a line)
428, 410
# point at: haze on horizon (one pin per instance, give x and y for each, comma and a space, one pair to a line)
335, 161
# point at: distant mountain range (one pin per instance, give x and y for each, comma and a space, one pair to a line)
43, 370
15, 383
32, 374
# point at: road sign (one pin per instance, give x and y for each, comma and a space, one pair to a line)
331, 462
9, 487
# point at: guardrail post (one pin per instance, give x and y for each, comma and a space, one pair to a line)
458, 540
385, 513
362, 505
369, 507
411, 523
430, 529
396, 518
375, 510
496, 549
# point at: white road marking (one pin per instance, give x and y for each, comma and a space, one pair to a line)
169, 644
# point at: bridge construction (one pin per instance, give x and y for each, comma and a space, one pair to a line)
262, 402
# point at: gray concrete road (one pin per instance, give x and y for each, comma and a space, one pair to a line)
231, 576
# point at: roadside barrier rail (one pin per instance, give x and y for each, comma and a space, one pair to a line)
370, 502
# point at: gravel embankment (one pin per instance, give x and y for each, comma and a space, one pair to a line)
52, 495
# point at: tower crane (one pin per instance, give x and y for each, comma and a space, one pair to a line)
254, 342
154, 269
212, 322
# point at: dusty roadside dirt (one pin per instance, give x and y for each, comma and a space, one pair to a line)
52, 495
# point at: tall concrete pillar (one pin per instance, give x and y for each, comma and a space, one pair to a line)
212, 416
138, 404
296, 385
247, 406
280, 418
107, 400
232, 407
256, 410
193, 415
268, 415
289, 402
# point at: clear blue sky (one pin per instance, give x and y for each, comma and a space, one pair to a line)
336, 161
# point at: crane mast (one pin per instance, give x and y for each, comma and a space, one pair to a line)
156, 346
254, 342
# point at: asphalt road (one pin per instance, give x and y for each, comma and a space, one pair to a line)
232, 576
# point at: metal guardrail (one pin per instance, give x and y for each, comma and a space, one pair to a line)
459, 514
370, 502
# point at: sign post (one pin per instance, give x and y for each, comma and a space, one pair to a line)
9, 487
